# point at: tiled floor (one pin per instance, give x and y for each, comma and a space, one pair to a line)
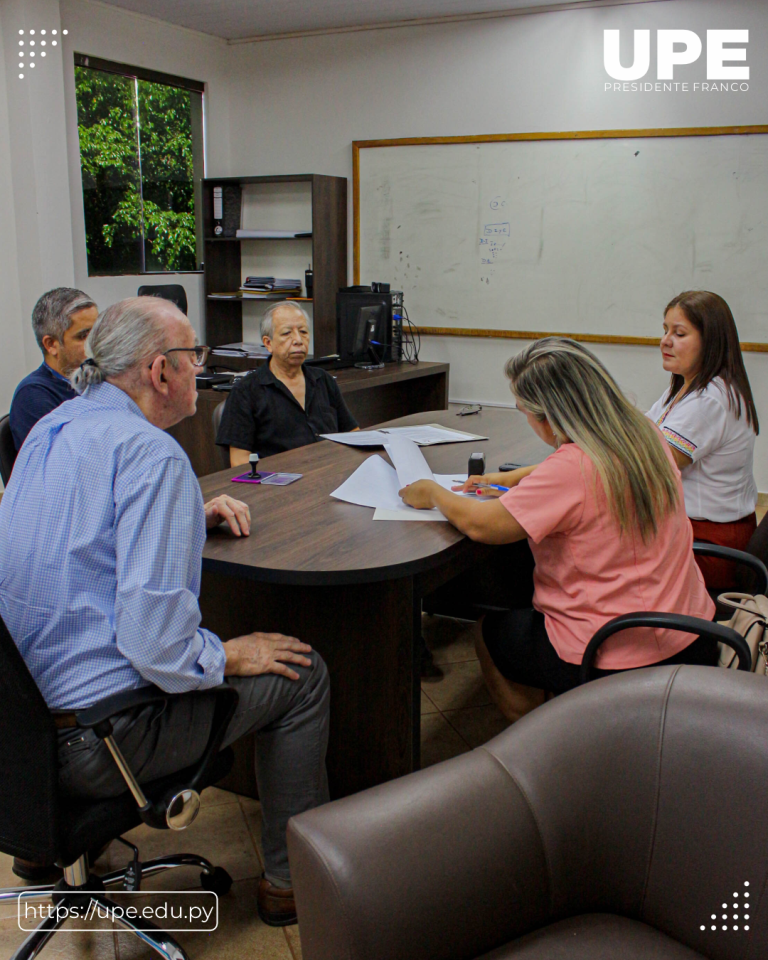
456, 716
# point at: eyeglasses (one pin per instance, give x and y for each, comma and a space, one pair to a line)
199, 358
469, 410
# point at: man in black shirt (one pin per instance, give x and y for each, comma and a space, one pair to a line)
282, 404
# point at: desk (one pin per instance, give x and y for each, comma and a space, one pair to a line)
371, 395
324, 571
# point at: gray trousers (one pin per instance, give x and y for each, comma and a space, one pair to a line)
290, 718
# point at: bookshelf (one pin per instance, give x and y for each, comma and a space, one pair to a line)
227, 259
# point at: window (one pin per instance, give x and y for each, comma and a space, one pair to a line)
141, 158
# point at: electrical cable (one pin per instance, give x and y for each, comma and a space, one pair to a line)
411, 339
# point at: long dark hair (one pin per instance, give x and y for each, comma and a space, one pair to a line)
720, 351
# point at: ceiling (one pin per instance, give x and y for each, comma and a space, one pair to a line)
240, 19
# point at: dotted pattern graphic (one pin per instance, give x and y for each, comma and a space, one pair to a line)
740, 906
33, 44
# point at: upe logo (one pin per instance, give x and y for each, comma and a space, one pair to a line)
678, 48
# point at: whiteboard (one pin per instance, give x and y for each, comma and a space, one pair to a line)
583, 236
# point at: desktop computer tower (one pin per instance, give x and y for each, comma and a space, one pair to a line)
369, 325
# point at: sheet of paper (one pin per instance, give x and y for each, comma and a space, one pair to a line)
423, 434
360, 438
426, 434
449, 480
408, 460
407, 513
376, 484
373, 484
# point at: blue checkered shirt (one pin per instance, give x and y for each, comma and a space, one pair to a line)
101, 538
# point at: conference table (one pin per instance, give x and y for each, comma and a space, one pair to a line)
324, 571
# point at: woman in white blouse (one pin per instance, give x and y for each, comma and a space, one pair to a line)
709, 420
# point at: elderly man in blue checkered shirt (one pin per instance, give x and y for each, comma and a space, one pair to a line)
102, 529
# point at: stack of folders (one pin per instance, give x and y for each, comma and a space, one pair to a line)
273, 234
240, 350
270, 287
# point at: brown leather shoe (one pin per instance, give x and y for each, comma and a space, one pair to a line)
276, 907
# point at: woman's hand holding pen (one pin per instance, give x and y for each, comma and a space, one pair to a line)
484, 485
480, 484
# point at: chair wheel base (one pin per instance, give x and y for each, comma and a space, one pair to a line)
218, 882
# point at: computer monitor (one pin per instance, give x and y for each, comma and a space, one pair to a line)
366, 335
364, 326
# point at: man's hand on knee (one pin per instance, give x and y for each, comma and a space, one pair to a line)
258, 653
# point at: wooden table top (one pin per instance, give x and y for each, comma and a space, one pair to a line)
349, 378
352, 378
301, 535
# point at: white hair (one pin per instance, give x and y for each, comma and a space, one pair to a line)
267, 326
125, 335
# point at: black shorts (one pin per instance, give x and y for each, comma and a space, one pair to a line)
519, 646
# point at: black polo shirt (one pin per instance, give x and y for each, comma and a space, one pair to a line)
263, 416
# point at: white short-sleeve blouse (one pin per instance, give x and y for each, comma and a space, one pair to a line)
719, 484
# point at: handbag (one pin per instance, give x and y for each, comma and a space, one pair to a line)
750, 619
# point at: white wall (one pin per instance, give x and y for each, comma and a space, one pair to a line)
37, 207
12, 355
542, 72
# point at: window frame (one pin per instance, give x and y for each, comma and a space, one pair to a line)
198, 145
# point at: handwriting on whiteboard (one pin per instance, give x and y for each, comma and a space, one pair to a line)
491, 243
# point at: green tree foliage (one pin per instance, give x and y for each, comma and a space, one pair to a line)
137, 170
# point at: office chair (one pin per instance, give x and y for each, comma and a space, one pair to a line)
166, 291
676, 621
7, 449
612, 822
38, 823
218, 412
747, 581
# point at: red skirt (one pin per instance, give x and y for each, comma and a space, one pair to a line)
722, 574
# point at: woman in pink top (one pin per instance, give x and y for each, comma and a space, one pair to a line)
605, 519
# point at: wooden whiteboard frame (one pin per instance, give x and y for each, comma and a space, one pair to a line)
358, 145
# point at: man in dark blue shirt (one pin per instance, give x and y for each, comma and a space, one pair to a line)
62, 320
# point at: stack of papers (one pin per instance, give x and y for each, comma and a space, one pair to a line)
241, 350
270, 285
271, 234
376, 484
423, 434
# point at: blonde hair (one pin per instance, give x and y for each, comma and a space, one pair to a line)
559, 380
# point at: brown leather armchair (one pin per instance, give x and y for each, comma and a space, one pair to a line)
621, 821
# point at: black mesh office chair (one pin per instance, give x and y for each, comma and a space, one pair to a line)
39, 824
166, 291
218, 412
675, 621
747, 581
7, 449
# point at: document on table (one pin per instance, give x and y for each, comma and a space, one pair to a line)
424, 435
408, 460
376, 484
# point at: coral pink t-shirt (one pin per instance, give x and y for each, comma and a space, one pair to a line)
587, 573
